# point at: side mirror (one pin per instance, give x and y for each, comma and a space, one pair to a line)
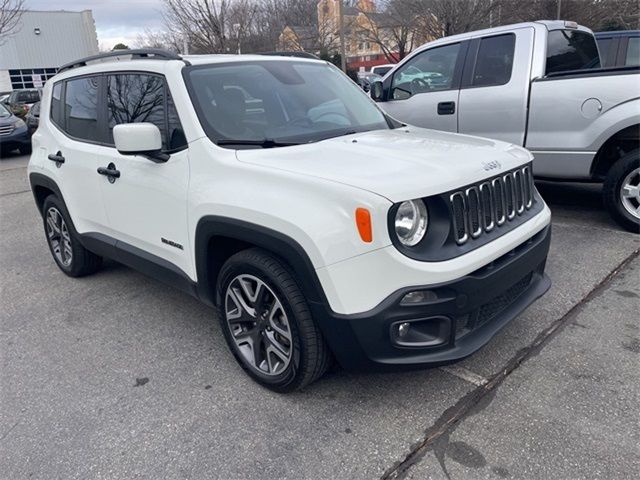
377, 91
140, 139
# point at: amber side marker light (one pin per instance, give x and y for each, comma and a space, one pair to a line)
363, 221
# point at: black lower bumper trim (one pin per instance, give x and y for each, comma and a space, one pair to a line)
478, 306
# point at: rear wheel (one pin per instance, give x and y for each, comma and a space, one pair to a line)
67, 251
267, 323
621, 191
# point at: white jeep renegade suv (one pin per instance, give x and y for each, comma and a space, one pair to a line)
274, 189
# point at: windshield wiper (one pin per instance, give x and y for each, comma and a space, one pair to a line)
266, 143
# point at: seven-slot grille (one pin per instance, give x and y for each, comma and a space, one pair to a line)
5, 130
492, 203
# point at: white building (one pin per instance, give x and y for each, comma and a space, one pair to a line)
44, 42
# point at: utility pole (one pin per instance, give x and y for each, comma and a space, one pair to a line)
559, 9
238, 29
185, 43
343, 50
490, 13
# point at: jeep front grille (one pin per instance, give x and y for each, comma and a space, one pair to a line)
489, 204
5, 130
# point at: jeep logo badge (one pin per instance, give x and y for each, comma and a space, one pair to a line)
491, 165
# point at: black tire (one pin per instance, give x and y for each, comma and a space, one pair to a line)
81, 262
25, 149
613, 184
310, 355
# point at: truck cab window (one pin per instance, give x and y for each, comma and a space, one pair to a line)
571, 50
633, 52
495, 61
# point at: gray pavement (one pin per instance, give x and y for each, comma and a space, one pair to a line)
118, 376
570, 411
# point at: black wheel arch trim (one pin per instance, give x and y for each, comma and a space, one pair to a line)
279, 244
41, 180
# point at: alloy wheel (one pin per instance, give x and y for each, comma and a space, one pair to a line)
630, 193
58, 236
258, 324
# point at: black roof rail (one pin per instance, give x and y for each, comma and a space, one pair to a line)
141, 53
298, 54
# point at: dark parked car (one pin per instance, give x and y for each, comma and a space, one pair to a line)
619, 49
21, 101
365, 81
33, 118
14, 134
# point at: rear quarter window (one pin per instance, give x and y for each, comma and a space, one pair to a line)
571, 50
57, 113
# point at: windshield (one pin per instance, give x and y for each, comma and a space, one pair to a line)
278, 103
382, 71
4, 113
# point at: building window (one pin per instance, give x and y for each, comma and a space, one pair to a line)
30, 77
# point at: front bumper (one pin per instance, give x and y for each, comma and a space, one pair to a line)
466, 315
17, 138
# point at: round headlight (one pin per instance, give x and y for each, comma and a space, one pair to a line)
411, 222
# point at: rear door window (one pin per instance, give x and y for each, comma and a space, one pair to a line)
494, 61
81, 108
571, 50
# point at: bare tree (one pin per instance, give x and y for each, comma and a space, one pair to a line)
449, 17
274, 15
394, 29
10, 14
165, 39
204, 22
595, 14
213, 26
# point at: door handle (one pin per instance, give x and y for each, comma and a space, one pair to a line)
110, 172
446, 108
56, 157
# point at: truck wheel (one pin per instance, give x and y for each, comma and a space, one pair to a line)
267, 323
621, 191
67, 251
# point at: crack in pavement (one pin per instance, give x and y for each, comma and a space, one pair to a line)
437, 436
13, 193
9, 431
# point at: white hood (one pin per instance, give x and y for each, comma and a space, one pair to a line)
399, 164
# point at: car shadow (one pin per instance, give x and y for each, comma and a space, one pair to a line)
576, 203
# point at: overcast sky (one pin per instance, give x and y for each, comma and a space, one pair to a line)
116, 20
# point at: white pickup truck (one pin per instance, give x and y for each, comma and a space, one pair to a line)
537, 85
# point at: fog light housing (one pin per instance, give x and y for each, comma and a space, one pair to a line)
403, 329
425, 332
419, 296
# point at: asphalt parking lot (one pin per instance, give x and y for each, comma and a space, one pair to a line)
118, 376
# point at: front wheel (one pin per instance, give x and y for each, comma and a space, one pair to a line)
621, 191
267, 323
